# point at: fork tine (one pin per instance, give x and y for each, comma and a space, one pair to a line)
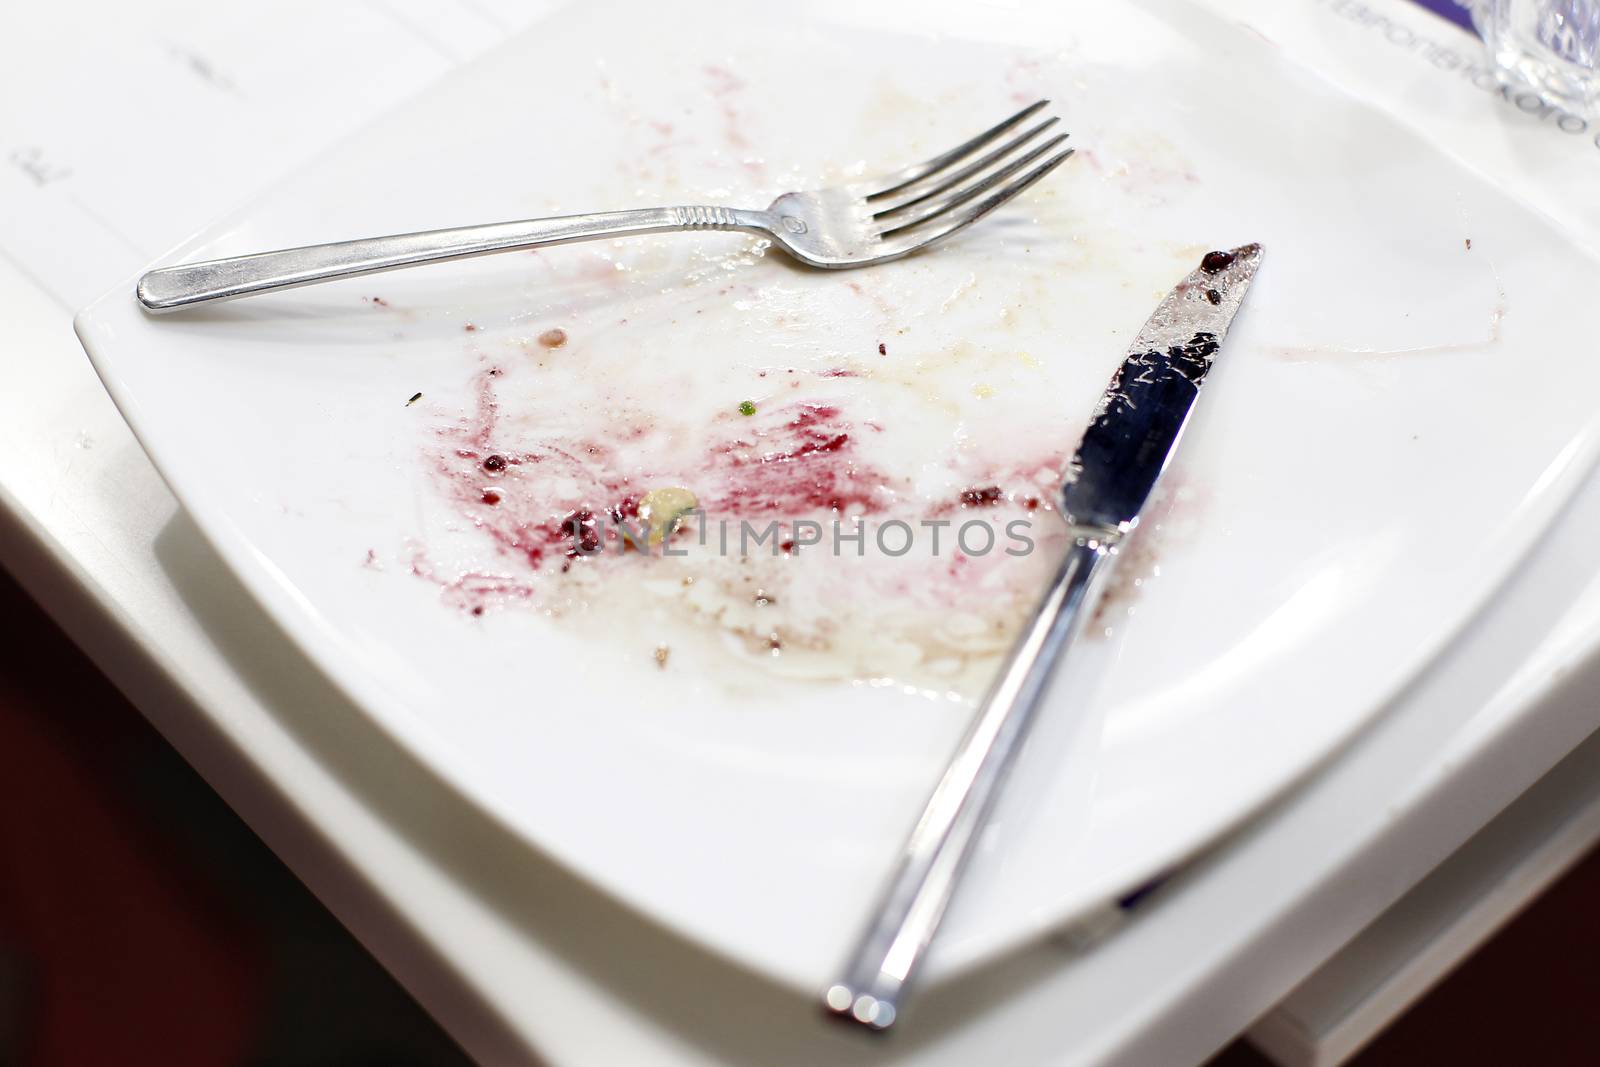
951, 200
910, 242
899, 180
950, 182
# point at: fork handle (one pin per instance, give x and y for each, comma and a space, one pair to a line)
890, 950
171, 288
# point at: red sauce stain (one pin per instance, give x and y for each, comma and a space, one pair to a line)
548, 499
982, 497
1023, 485
473, 591
545, 508
801, 465
582, 528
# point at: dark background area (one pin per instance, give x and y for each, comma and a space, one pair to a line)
141, 922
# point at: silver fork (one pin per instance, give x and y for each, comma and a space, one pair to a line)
841, 226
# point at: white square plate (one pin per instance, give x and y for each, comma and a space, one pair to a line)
1403, 404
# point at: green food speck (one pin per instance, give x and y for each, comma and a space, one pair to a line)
747, 407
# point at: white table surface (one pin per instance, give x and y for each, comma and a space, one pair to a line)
519, 960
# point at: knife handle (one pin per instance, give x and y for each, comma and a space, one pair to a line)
914, 902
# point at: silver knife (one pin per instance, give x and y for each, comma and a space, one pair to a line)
1130, 440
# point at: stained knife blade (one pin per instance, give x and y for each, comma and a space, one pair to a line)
1136, 428
1130, 440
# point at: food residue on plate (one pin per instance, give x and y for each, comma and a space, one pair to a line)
850, 518
661, 509
778, 530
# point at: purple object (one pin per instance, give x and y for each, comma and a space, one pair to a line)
1451, 10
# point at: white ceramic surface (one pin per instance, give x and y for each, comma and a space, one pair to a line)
1396, 417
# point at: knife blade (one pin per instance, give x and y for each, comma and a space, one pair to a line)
1129, 442
1135, 429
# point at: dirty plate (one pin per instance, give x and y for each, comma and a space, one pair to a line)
735, 743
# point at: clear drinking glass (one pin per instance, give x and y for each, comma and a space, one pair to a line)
1550, 46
